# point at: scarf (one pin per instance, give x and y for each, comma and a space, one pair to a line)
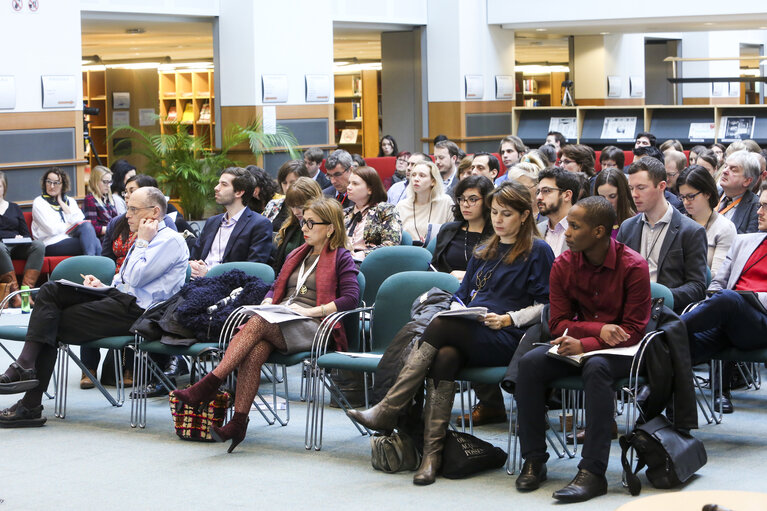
326, 281
54, 203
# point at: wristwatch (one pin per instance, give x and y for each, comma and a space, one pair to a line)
141, 243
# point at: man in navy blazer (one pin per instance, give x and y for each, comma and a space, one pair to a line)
674, 246
237, 235
736, 314
738, 203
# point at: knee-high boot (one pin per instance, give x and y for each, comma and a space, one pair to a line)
30, 279
383, 416
436, 416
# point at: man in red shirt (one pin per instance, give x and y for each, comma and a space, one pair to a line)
600, 298
736, 314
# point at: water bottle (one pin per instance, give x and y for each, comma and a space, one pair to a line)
25, 308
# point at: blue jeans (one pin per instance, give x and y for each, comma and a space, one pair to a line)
82, 241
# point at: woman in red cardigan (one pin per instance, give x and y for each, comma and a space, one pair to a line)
318, 278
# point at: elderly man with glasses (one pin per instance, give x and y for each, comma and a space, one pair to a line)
338, 165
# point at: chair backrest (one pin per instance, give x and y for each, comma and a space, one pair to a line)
708, 277
386, 261
432, 246
661, 291
407, 239
103, 268
352, 321
260, 270
395, 298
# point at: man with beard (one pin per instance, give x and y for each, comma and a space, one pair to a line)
556, 192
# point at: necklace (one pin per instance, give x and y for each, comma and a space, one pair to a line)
415, 225
480, 280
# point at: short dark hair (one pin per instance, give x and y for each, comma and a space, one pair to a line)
373, 181
439, 138
653, 166
671, 144
143, 180
481, 183
550, 152
558, 137
651, 151
565, 181
763, 187
514, 140
395, 150
699, 178
314, 154
492, 161
581, 154
297, 167
267, 187
422, 156
452, 147
709, 157
358, 159
242, 181
119, 169
647, 135
63, 177
598, 211
613, 153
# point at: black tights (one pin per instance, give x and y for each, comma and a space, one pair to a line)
453, 338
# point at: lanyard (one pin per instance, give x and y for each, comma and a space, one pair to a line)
730, 206
303, 276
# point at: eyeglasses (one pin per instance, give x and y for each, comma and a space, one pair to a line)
546, 190
472, 200
402, 160
689, 197
338, 174
106, 181
671, 174
566, 161
52, 183
133, 210
311, 223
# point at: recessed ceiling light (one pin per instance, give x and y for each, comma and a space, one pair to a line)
762, 28
541, 29
604, 33
708, 23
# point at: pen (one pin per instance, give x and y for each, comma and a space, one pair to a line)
564, 334
459, 300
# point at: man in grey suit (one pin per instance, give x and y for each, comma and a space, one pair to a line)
674, 246
736, 314
738, 203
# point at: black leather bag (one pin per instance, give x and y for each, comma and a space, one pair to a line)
671, 456
465, 454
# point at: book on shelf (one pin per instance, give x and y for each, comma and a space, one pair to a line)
188, 116
204, 114
356, 110
530, 86
348, 136
356, 86
172, 115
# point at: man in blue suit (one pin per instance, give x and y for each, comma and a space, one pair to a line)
237, 235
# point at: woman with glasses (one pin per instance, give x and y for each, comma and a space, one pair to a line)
275, 210
317, 279
426, 206
509, 275
697, 191
400, 168
97, 205
613, 185
371, 222
58, 222
456, 240
290, 236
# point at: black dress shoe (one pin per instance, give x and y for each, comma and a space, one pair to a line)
154, 389
722, 402
583, 487
533, 473
19, 416
176, 367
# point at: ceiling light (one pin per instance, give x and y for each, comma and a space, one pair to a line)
604, 33
536, 69
541, 29
708, 23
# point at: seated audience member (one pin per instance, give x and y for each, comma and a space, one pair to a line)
537, 158
329, 284
239, 234
312, 160
371, 222
464, 167
556, 191
358, 161
694, 152
578, 158
485, 164
599, 298
611, 158
762, 171
585, 185
736, 314
550, 153
97, 205
738, 203
653, 152
121, 172
527, 174
439, 138
671, 144
708, 160
556, 139
290, 236
57, 220
264, 190
644, 139
400, 168
674, 245
153, 271
675, 162
426, 206
275, 210
718, 150
338, 165
697, 190
446, 156
13, 225
509, 275
613, 185
512, 149
397, 191
387, 146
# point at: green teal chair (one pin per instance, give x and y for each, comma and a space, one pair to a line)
260, 270
390, 312
432, 245
384, 262
407, 239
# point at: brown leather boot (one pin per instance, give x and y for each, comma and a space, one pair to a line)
13, 285
85, 382
30, 279
436, 416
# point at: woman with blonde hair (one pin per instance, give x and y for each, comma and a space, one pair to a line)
290, 237
509, 275
317, 279
98, 205
426, 206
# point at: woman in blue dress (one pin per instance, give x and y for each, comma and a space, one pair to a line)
509, 275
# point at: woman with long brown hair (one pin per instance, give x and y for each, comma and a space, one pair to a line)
509, 275
613, 185
290, 237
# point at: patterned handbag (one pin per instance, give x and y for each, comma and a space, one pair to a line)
195, 423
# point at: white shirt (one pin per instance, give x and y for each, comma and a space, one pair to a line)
49, 225
217, 249
652, 240
556, 237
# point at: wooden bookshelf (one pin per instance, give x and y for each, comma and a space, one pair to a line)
544, 88
356, 107
95, 95
187, 97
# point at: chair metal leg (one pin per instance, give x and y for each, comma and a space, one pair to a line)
60, 403
91, 376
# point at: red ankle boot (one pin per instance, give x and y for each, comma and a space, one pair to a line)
204, 391
234, 430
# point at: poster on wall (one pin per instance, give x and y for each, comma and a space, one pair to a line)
7, 92
636, 86
504, 87
475, 86
120, 100
736, 128
120, 118
59, 91
567, 126
700, 131
317, 88
275, 88
619, 128
614, 86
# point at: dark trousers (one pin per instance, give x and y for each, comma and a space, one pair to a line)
599, 373
726, 319
75, 316
489, 395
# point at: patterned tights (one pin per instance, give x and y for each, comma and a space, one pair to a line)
247, 351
